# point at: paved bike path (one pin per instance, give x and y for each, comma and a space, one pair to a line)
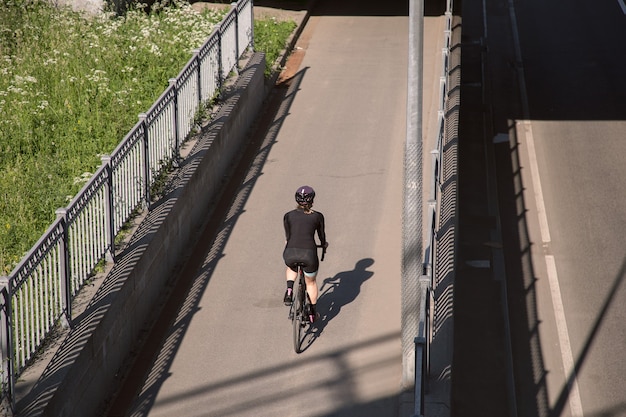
338, 124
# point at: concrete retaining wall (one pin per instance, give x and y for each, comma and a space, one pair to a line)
80, 374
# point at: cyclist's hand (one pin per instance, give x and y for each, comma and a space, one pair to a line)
325, 245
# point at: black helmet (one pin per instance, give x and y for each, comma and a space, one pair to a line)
305, 195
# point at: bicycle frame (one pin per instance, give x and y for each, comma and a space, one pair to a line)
299, 306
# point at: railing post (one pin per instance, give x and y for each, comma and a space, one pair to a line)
429, 250
172, 82
426, 285
220, 63
109, 214
6, 340
234, 6
252, 25
66, 285
146, 160
196, 56
436, 170
420, 343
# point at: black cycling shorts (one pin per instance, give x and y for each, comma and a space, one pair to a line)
308, 257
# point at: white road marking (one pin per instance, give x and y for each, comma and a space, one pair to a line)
575, 403
622, 5
567, 358
534, 173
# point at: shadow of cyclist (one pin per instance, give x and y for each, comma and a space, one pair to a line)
337, 292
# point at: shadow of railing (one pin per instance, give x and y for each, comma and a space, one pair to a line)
562, 401
39, 292
169, 330
252, 397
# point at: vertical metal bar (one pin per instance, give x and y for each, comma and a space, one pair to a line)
234, 6
220, 63
420, 343
421, 346
109, 209
146, 162
19, 325
64, 261
424, 329
6, 339
196, 57
177, 118
252, 25
412, 211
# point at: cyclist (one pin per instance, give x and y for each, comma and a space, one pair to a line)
300, 227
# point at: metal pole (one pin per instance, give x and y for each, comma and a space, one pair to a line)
109, 210
412, 213
6, 341
64, 268
420, 355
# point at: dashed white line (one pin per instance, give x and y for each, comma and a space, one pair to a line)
567, 358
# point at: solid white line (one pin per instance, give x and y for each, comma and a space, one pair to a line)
575, 403
622, 5
534, 172
567, 358
555, 290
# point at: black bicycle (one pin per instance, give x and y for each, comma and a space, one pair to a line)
299, 310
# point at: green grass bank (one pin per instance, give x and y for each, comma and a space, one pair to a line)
72, 86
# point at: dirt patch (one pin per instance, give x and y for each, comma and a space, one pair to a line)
260, 12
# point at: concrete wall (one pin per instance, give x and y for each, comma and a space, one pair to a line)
81, 373
91, 7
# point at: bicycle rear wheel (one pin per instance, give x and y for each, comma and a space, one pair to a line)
298, 312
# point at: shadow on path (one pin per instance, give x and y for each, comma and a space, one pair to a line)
336, 292
150, 367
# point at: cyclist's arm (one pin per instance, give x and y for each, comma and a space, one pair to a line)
321, 231
287, 227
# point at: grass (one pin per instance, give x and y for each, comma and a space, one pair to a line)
71, 87
270, 36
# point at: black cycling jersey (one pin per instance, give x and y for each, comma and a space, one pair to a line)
300, 229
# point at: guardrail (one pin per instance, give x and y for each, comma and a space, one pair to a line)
38, 293
426, 282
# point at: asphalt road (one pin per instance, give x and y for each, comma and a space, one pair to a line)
554, 83
337, 122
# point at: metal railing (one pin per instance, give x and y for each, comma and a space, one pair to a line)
38, 293
426, 282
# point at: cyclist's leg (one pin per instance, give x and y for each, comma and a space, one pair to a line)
311, 286
291, 274
311, 289
291, 257
310, 273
